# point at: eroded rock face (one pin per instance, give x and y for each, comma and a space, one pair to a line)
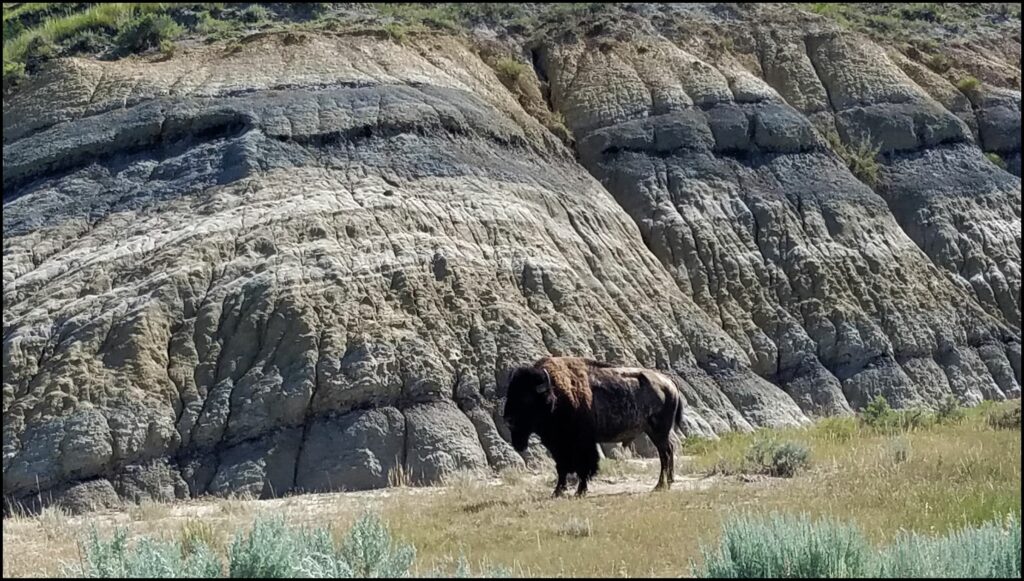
757, 220
309, 265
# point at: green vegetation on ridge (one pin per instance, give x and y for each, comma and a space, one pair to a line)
897, 20
37, 32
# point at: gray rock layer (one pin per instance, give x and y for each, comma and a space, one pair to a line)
310, 265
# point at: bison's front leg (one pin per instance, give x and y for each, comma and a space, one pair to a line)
563, 474
587, 466
581, 490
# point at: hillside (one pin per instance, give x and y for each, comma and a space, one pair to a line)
286, 250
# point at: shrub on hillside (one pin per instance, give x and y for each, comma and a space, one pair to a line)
146, 32
14, 73
37, 52
996, 159
86, 42
861, 158
509, 68
254, 13
968, 84
213, 28
939, 63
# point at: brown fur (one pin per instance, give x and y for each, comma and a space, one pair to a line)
570, 379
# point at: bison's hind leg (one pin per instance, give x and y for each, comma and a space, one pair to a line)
664, 482
662, 440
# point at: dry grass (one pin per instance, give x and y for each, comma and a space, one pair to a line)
198, 531
577, 527
398, 477
149, 510
236, 504
53, 521
513, 476
464, 483
36, 546
928, 480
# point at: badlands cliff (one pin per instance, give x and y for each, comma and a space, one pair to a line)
306, 259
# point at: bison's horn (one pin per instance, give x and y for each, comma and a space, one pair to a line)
547, 382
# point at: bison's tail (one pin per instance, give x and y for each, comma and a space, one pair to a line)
679, 414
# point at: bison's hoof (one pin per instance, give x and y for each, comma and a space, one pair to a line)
558, 493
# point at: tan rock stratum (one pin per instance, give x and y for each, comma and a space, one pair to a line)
307, 261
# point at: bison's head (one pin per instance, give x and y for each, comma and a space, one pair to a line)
528, 400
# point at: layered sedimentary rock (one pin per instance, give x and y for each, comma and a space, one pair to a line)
802, 264
308, 261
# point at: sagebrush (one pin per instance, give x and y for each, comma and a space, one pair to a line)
777, 458
270, 549
796, 547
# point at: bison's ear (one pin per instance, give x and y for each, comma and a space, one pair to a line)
544, 386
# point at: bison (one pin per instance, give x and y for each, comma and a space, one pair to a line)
575, 403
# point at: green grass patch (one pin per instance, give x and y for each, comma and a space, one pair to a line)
36, 33
915, 21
